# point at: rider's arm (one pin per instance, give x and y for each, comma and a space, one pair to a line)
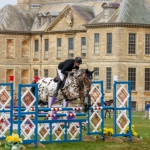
64, 70
77, 68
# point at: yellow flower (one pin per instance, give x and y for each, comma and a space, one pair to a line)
9, 138
105, 129
16, 138
135, 134
126, 129
20, 140
108, 131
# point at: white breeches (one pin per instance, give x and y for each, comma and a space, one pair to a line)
60, 75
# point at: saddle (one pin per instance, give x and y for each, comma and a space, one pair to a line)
56, 79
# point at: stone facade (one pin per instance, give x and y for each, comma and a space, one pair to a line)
18, 56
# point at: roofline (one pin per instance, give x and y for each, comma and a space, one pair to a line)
22, 32
117, 24
61, 14
68, 31
40, 32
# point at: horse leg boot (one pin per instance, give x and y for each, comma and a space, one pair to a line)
58, 87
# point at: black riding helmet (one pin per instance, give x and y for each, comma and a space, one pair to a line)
78, 60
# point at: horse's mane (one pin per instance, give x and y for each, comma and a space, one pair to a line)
80, 70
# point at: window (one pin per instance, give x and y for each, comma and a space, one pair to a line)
108, 78
36, 48
46, 45
45, 72
46, 41
147, 79
106, 13
109, 43
96, 74
96, 43
35, 72
132, 43
10, 48
39, 22
59, 48
83, 47
10, 72
25, 48
24, 76
49, 19
52, 18
34, 5
132, 77
134, 105
147, 43
71, 47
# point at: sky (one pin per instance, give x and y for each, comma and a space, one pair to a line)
5, 2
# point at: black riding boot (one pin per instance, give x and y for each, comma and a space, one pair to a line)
58, 87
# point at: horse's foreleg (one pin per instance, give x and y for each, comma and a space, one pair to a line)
109, 114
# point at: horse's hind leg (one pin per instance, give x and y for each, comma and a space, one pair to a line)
105, 113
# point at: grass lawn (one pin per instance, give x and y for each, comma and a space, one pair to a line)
142, 127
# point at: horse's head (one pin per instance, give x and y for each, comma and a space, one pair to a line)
87, 78
89, 74
83, 79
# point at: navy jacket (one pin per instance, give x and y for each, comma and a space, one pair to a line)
67, 66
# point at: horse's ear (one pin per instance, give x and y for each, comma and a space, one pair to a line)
86, 71
93, 71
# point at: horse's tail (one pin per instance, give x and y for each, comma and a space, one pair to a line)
33, 88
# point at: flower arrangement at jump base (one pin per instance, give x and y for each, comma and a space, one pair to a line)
13, 142
108, 131
108, 136
133, 132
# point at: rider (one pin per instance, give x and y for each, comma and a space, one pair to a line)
64, 68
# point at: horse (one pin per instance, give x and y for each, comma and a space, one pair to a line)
75, 87
107, 103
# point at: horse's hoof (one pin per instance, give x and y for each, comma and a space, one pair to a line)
46, 118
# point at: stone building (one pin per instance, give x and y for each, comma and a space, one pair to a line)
112, 37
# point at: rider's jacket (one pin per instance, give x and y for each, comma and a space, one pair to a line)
67, 66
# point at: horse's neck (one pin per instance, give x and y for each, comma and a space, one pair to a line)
67, 82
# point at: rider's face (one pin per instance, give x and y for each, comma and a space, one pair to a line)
77, 64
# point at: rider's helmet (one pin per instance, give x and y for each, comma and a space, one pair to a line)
78, 60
